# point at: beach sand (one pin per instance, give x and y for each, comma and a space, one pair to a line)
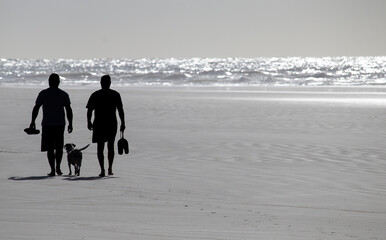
206, 163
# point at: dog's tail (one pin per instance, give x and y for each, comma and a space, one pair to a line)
84, 147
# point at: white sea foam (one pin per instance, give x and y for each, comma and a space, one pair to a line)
295, 71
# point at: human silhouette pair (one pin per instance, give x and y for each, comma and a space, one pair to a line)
56, 105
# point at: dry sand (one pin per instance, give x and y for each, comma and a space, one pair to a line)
206, 163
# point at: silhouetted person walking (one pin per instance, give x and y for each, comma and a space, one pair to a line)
105, 102
54, 101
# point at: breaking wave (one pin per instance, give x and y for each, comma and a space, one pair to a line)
294, 71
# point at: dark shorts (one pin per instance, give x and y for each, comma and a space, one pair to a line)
104, 133
52, 138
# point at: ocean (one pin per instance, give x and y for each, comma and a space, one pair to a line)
289, 71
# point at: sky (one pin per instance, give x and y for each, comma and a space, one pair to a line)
79, 29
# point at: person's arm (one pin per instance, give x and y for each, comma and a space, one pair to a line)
89, 115
35, 112
121, 114
69, 117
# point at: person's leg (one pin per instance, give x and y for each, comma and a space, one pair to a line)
110, 155
101, 159
59, 144
48, 146
51, 161
58, 157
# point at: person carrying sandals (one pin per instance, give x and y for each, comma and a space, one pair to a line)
104, 104
54, 102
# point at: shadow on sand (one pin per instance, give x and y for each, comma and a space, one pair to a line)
68, 178
29, 178
86, 178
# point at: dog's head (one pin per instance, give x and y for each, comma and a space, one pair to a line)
69, 147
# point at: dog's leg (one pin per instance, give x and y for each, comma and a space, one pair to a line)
69, 167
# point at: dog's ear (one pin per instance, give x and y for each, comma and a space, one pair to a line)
73, 145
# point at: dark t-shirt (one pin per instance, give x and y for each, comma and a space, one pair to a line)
53, 100
105, 103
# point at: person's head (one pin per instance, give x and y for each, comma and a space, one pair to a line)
53, 80
105, 82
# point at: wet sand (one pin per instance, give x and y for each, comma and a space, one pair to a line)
206, 163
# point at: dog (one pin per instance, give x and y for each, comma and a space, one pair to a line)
74, 157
